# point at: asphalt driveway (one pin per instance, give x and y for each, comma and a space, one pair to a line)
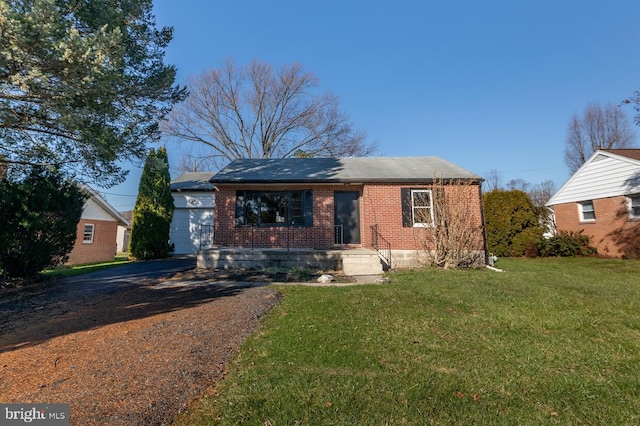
59, 296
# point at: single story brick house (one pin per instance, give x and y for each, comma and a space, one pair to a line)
347, 203
192, 222
97, 231
602, 200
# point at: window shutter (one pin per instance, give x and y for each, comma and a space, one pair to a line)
405, 194
308, 208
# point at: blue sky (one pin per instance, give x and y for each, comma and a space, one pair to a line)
484, 84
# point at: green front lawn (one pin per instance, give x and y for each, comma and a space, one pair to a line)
549, 341
71, 270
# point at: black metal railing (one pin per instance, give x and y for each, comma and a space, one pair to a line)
206, 236
284, 237
381, 245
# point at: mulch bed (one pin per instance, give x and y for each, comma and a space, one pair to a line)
135, 357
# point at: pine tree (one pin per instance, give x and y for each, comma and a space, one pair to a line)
83, 84
153, 210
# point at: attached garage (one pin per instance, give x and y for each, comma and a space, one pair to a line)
192, 223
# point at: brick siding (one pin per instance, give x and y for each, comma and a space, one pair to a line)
103, 248
612, 233
380, 204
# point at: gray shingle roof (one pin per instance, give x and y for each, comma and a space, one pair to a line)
193, 181
341, 170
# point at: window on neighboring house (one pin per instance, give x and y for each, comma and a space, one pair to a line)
634, 206
87, 236
417, 207
274, 208
587, 213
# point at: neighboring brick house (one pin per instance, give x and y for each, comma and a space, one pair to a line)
192, 222
602, 199
324, 203
97, 231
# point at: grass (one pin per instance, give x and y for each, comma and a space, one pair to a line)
549, 341
67, 270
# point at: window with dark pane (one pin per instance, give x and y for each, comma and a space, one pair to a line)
634, 206
273, 208
297, 210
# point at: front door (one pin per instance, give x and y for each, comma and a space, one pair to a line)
347, 213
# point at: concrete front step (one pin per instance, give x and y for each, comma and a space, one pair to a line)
361, 262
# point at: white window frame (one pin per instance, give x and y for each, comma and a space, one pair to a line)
90, 234
633, 202
414, 207
581, 207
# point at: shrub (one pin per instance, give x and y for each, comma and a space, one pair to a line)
298, 273
454, 241
566, 244
39, 212
511, 221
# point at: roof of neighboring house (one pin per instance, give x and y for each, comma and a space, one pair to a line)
128, 215
341, 170
628, 152
607, 173
97, 198
193, 181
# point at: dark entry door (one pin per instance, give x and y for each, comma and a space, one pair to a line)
347, 213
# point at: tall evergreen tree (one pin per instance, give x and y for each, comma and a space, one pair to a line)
153, 210
83, 84
39, 213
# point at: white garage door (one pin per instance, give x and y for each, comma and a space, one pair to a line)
186, 228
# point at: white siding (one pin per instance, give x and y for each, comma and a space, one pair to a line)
93, 211
601, 177
193, 209
186, 227
122, 239
194, 199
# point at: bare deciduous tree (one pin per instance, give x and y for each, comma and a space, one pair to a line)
541, 193
598, 128
455, 239
258, 112
539, 196
519, 184
492, 180
194, 160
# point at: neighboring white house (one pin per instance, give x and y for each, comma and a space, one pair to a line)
192, 223
124, 233
602, 200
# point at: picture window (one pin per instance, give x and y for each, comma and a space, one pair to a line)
274, 208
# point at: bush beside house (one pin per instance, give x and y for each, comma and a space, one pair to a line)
511, 222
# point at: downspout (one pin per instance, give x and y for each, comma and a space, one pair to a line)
484, 234
484, 227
